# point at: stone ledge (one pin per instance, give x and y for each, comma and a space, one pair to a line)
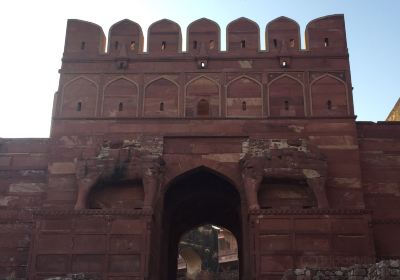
316, 211
91, 212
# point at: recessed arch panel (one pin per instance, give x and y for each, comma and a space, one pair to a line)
329, 97
79, 98
120, 99
286, 97
201, 90
161, 99
244, 98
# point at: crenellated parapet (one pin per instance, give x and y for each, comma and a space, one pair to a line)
85, 39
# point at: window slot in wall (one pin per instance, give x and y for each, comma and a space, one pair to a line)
116, 44
120, 107
326, 42
163, 45
286, 105
79, 106
291, 43
133, 45
243, 44
83, 45
211, 45
162, 106
194, 44
244, 106
275, 43
329, 104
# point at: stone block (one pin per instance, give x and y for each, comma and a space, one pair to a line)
27, 187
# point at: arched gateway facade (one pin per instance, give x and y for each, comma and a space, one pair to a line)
146, 146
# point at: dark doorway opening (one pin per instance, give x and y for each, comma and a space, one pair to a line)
197, 198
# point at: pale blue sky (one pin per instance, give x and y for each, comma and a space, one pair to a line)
33, 38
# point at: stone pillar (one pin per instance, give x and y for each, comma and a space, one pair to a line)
317, 184
151, 172
86, 177
252, 175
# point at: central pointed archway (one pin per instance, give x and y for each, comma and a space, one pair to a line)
200, 196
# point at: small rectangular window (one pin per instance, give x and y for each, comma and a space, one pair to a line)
194, 44
275, 43
326, 42
211, 46
83, 45
291, 43
163, 45
243, 44
133, 45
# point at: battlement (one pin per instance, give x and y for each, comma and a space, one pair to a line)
283, 81
325, 35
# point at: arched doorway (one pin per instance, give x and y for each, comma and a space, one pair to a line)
198, 197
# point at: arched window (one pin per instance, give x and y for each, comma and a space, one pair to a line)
120, 107
116, 44
163, 45
79, 106
162, 106
195, 44
203, 108
243, 44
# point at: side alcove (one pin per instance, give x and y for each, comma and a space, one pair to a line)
117, 195
285, 193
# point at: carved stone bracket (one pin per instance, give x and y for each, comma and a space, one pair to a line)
282, 158
137, 159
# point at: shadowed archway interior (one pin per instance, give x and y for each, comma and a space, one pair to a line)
197, 197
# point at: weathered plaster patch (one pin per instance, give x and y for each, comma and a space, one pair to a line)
26, 187
348, 182
246, 64
62, 168
310, 173
235, 157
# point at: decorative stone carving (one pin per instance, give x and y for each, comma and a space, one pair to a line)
282, 158
137, 159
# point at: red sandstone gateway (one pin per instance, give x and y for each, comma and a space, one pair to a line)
146, 146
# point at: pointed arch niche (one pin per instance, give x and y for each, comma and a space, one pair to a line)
202, 98
79, 98
161, 98
244, 98
120, 98
329, 97
286, 97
